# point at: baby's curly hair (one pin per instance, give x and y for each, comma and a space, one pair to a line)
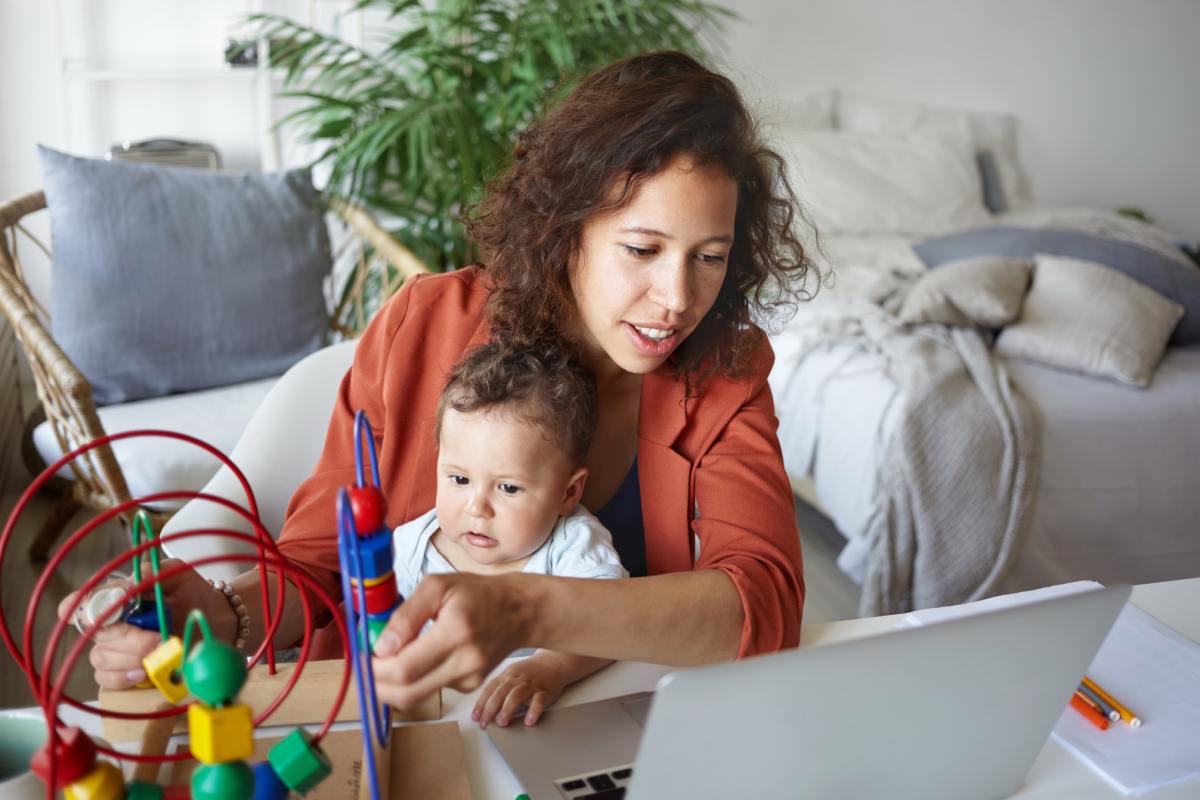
543, 385
619, 127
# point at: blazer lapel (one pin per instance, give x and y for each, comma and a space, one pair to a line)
664, 476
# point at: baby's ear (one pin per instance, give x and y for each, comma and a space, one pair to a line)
574, 491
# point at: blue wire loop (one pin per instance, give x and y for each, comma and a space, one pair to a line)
376, 722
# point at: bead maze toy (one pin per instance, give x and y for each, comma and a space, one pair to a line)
219, 721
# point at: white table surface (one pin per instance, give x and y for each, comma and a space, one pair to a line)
1056, 774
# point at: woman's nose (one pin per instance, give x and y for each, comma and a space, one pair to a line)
672, 287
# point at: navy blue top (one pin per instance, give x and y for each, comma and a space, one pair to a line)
623, 517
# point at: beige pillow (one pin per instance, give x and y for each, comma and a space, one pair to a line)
1086, 317
985, 292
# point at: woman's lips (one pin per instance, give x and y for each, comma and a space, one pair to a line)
655, 348
480, 540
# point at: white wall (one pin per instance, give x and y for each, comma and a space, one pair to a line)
1107, 91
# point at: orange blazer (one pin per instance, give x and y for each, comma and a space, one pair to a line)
709, 465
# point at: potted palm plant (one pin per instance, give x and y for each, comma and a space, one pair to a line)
414, 123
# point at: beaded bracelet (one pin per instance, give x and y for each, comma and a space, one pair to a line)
239, 608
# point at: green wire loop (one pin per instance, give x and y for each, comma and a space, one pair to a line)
143, 528
194, 617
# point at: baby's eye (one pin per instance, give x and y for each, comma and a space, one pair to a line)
459, 480
509, 488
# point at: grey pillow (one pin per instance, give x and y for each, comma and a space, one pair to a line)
984, 292
171, 280
1088, 318
1176, 280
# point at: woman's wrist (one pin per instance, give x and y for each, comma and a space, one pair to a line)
534, 607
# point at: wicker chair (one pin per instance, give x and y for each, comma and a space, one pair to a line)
376, 260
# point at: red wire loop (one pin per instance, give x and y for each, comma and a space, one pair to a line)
50, 694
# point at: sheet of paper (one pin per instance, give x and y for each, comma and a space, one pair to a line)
1155, 672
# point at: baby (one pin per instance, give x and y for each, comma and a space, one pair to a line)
513, 428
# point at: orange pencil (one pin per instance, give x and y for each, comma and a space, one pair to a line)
1080, 703
1125, 713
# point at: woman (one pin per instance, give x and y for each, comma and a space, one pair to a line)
641, 222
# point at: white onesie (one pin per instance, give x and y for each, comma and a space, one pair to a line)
579, 547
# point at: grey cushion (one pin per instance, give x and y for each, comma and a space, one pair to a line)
1176, 280
170, 280
1088, 318
984, 292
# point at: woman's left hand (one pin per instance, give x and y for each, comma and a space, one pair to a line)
478, 621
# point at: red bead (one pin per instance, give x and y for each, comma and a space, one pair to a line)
380, 598
76, 757
368, 507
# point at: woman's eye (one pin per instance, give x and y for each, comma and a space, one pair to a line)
509, 488
711, 258
638, 252
459, 480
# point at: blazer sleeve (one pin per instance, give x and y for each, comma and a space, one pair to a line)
309, 535
746, 519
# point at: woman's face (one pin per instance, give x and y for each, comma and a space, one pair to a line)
649, 272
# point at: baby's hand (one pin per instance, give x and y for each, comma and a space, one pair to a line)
535, 682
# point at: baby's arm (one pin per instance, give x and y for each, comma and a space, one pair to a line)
537, 681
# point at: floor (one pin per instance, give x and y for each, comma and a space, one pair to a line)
830, 594
19, 577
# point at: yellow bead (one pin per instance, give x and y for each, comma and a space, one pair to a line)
218, 735
163, 669
104, 782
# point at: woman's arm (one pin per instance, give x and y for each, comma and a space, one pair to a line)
682, 618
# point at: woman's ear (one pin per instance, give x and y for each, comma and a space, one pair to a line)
574, 491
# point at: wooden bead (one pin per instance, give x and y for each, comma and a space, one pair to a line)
299, 762
376, 554
163, 667
215, 672
142, 790
104, 782
368, 508
381, 598
220, 735
76, 756
146, 617
267, 785
233, 780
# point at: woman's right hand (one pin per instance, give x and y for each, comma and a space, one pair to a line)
118, 649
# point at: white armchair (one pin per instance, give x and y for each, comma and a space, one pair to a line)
277, 451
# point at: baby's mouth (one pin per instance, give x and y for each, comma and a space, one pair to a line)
480, 539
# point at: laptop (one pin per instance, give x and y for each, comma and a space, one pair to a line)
958, 709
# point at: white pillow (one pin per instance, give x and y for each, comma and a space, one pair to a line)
985, 291
855, 183
1089, 318
991, 132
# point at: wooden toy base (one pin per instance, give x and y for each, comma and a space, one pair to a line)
427, 763
308, 703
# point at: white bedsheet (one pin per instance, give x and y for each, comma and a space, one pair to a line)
1119, 486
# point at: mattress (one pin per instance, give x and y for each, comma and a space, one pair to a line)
1119, 490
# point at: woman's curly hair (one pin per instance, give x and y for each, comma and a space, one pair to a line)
621, 126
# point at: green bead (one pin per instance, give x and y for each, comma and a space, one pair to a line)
140, 790
298, 762
214, 672
374, 628
233, 780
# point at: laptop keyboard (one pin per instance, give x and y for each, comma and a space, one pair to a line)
604, 785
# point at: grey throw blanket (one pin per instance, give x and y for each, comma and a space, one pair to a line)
958, 477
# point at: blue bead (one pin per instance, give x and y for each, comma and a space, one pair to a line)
146, 617
376, 554
267, 785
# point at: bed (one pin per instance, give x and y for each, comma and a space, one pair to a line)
1114, 489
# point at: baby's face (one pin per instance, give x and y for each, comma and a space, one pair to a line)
501, 485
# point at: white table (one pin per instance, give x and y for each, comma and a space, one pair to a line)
1056, 774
